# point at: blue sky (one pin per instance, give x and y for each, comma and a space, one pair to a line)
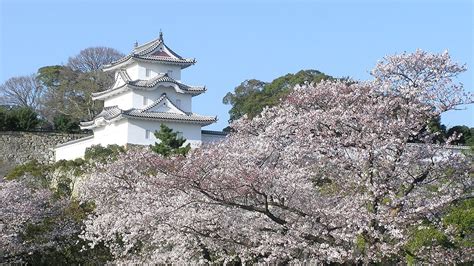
237, 40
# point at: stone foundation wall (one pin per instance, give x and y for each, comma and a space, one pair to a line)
20, 147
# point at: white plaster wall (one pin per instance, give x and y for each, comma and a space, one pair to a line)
134, 99
74, 150
124, 100
115, 133
132, 71
137, 130
118, 81
165, 107
130, 131
155, 70
186, 99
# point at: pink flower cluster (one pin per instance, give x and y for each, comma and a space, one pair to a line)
329, 175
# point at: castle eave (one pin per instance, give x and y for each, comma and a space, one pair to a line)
172, 117
113, 113
151, 84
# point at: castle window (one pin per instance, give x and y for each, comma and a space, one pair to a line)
147, 134
145, 100
178, 103
148, 72
170, 73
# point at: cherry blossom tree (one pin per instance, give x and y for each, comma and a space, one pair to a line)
329, 175
22, 208
40, 225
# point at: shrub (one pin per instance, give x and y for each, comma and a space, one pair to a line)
65, 123
457, 220
69, 249
40, 175
18, 118
68, 165
3, 118
33, 168
101, 154
461, 217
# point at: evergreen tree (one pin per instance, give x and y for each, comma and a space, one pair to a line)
251, 96
466, 135
65, 123
170, 143
18, 118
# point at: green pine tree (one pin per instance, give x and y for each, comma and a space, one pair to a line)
170, 143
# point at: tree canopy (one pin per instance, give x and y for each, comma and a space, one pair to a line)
18, 118
328, 175
251, 96
24, 91
93, 58
68, 88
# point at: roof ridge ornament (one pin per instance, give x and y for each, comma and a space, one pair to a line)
147, 52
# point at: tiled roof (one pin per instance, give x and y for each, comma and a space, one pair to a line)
108, 113
123, 73
155, 50
155, 103
118, 61
190, 117
212, 132
160, 53
164, 78
160, 100
114, 112
176, 61
147, 47
194, 90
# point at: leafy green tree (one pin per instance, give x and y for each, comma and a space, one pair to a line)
242, 100
466, 134
26, 117
18, 118
170, 143
3, 118
68, 92
434, 126
458, 217
65, 123
251, 96
11, 122
50, 76
68, 88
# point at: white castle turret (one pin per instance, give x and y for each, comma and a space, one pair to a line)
146, 93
